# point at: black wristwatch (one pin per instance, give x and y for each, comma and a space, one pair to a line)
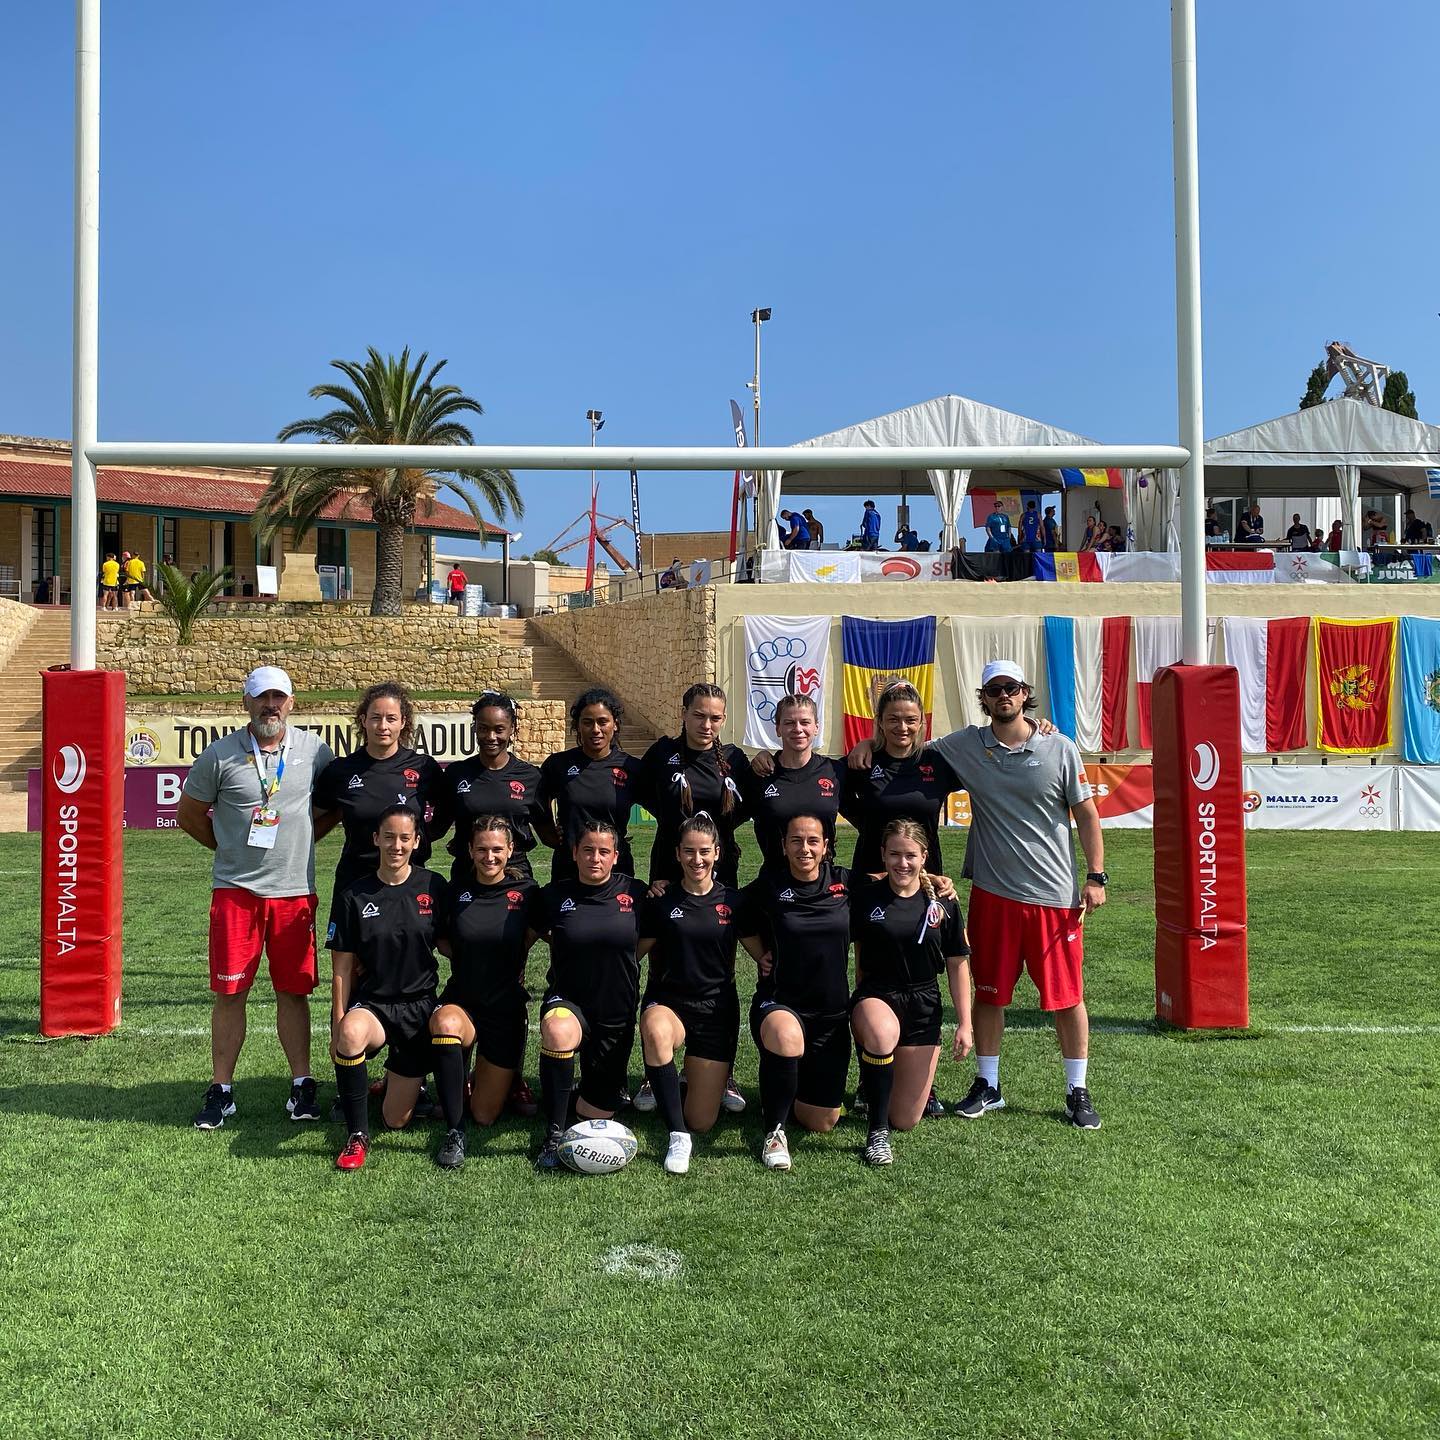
1097, 877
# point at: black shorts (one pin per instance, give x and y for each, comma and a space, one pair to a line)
917, 1008
407, 1033
712, 1026
500, 1024
825, 1065
604, 1054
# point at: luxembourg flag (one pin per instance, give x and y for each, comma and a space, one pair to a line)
1087, 664
1270, 656
1157, 644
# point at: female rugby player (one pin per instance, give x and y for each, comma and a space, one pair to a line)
487, 937
795, 921
904, 937
384, 972
495, 782
796, 780
689, 934
694, 772
594, 780
592, 926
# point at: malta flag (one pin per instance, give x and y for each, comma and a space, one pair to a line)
1087, 665
1157, 644
875, 652
1270, 656
1354, 679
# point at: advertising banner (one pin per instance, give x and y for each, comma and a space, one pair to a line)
1419, 798
152, 797
784, 655
1320, 797
1124, 795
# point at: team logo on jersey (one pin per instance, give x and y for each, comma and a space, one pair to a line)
625, 902
722, 914
370, 911
566, 906
513, 900
927, 772
837, 888
827, 786
618, 775
677, 913
877, 772
465, 898
517, 789
572, 772
786, 895
424, 902
673, 760
357, 782
772, 792
412, 777
878, 913
463, 788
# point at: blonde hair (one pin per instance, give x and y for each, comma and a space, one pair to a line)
899, 689
911, 830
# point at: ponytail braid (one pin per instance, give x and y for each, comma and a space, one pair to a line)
727, 792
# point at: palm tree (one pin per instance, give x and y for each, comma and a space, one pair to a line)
184, 600
387, 402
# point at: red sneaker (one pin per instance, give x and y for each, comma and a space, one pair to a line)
522, 1098
352, 1157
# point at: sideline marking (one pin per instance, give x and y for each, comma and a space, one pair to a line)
642, 1262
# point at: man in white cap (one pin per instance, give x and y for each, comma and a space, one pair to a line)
247, 798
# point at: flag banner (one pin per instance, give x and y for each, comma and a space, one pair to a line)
1432, 480
1320, 797
1124, 795
810, 567
1308, 569
1420, 689
1087, 668
784, 655
977, 641
635, 519
1157, 644
1104, 479
1067, 566
1419, 798
1012, 502
1270, 656
875, 652
1354, 679
1137, 567
1237, 567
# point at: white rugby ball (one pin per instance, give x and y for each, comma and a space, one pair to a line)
597, 1147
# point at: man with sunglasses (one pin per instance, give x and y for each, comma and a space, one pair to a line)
1026, 911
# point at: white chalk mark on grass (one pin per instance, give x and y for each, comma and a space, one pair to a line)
642, 1262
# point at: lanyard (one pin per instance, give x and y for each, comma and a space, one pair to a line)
268, 788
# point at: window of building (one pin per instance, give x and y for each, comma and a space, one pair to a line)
109, 534
329, 547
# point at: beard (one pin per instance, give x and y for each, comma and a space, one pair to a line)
267, 728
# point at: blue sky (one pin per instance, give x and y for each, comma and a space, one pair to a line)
580, 206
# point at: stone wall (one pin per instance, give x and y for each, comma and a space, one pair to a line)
324, 648
15, 623
647, 650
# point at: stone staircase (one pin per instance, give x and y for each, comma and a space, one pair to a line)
557, 677
47, 643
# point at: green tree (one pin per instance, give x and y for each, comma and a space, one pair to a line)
1315, 386
388, 401
548, 556
183, 600
1399, 397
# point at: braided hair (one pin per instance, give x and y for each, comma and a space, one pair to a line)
496, 700
705, 690
911, 830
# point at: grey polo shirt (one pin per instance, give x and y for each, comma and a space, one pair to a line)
224, 777
1020, 844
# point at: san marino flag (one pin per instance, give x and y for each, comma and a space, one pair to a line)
875, 652
1420, 689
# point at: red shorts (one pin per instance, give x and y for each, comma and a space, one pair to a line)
1008, 935
242, 924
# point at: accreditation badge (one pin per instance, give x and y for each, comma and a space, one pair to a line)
264, 827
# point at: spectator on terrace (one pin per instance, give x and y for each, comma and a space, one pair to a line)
817, 530
1298, 534
870, 527
997, 528
798, 537
1052, 530
1093, 531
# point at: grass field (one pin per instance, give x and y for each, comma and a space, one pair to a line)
1250, 1246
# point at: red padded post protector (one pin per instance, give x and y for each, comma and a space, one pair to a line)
1201, 975
81, 850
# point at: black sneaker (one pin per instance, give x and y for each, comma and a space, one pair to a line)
933, 1108
304, 1101
981, 1097
1079, 1110
451, 1154
861, 1107
219, 1103
548, 1161
426, 1107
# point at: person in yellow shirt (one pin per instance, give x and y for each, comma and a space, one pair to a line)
109, 583
135, 579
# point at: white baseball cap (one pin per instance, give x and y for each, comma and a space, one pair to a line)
267, 677
1002, 670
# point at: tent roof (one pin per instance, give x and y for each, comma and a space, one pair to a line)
945, 420
1296, 454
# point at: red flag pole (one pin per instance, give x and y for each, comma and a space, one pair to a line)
590, 553
734, 517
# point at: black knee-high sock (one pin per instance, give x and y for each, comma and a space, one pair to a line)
779, 1080
665, 1082
352, 1084
557, 1080
448, 1057
877, 1079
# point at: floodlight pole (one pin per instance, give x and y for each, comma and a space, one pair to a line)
1189, 378
84, 426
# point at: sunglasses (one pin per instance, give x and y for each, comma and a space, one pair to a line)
1004, 688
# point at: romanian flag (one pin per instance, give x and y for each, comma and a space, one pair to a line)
874, 652
1354, 679
1103, 479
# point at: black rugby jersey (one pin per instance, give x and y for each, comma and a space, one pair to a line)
581, 789
807, 930
391, 930
890, 953
486, 925
513, 791
362, 789
913, 788
592, 931
695, 938
670, 769
815, 788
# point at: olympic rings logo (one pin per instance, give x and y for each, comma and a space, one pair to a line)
1371, 812
782, 647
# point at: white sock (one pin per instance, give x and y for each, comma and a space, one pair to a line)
224, 1089
1074, 1073
299, 1079
988, 1069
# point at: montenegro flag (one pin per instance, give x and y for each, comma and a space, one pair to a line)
1354, 677
874, 652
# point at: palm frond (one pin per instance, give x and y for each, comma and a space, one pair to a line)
183, 600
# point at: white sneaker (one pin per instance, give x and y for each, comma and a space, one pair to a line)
644, 1099
732, 1102
677, 1157
776, 1150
